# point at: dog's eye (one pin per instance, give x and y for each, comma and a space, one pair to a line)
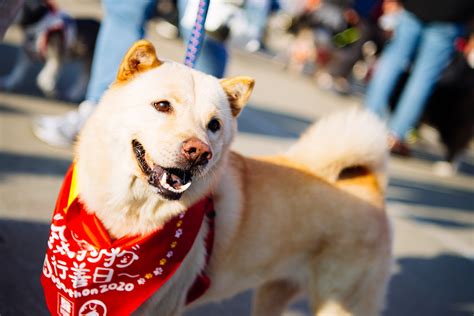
214, 125
162, 106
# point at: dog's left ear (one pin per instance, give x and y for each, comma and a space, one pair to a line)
238, 90
139, 58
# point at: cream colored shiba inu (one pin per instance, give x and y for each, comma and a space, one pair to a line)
310, 221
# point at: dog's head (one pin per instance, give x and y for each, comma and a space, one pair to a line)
161, 130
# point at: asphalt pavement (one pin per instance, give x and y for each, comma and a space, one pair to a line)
432, 216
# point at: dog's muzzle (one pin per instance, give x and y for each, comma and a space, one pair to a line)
171, 183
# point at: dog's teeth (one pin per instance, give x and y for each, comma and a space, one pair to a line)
181, 189
165, 185
184, 187
163, 180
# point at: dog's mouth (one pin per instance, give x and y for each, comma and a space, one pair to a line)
171, 183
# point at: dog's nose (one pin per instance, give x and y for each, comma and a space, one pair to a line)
196, 151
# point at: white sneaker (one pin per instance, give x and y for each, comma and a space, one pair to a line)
445, 168
253, 46
62, 130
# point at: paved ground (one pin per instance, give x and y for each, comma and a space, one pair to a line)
433, 217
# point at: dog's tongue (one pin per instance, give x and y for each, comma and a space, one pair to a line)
175, 181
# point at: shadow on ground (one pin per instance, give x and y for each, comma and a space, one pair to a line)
430, 194
14, 163
436, 198
8, 109
437, 286
466, 164
22, 245
269, 123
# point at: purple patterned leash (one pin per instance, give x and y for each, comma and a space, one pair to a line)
197, 35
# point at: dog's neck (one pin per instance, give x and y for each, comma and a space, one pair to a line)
132, 216
136, 217
132, 208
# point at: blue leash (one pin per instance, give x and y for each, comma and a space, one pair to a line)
196, 39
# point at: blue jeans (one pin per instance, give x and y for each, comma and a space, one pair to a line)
213, 57
431, 45
257, 12
123, 24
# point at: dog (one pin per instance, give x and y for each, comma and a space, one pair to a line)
310, 221
53, 37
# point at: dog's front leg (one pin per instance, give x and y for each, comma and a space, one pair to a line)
170, 300
271, 298
167, 302
173, 311
11, 81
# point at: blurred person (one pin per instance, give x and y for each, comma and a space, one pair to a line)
454, 123
302, 51
340, 30
123, 24
424, 34
348, 48
257, 12
391, 12
324, 19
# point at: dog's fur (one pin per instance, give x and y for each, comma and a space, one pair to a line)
309, 221
56, 54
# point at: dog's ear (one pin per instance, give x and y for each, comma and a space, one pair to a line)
238, 90
139, 58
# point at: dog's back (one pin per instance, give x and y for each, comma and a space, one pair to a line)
317, 216
349, 150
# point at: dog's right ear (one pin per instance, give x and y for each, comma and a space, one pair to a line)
139, 58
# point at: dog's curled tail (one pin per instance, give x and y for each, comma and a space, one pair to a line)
352, 140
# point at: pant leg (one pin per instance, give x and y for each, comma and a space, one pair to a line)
394, 60
257, 12
213, 58
122, 25
435, 52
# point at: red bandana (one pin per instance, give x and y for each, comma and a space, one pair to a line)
86, 273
